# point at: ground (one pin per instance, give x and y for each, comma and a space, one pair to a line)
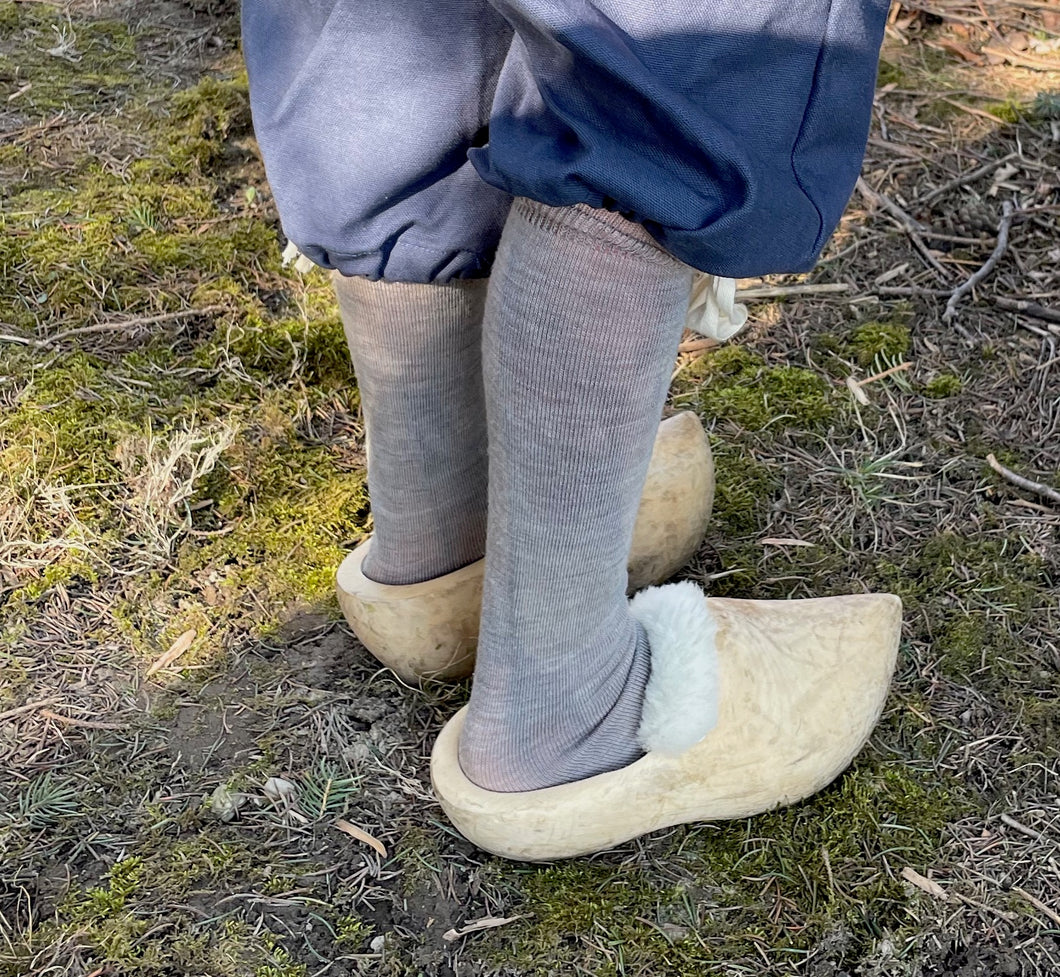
184, 717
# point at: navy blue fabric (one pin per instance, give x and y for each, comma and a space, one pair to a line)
395, 132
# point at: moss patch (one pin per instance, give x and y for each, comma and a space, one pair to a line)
776, 884
56, 65
190, 436
880, 342
737, 386
944, 385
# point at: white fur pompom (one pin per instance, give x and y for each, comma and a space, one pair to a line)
681, 699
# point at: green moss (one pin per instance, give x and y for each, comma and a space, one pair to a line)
99, 247
738, 386
202, 122
419, 859
315, 348
122, 881
774, 884
352, 933
69, 567
9, 19
980, 647
944, 385
879, 343
189, 863
578, 907
890, 73
983, 571
1040, 717
102, 912
56, 65
281, 965
291, 513
744, 488
1009, 111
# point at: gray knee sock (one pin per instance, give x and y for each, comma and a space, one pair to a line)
417, 355
582, 323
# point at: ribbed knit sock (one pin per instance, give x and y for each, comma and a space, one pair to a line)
417, 355
582, 323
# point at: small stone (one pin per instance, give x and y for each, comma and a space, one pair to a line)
277, 789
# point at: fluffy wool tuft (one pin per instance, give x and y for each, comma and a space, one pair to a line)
681, 699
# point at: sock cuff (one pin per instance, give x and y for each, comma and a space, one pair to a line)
362, 285
605, 226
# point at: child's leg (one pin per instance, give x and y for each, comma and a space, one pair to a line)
582, 323
417, 355
365, 111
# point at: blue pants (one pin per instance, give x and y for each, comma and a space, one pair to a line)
396, 132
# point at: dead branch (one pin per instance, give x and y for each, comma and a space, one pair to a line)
786, 291
1028, 308
29, 707
970, 177
119, 325
1037, 903
698, 345
70, 721
908, 224
885, 203
1007, 214
1039, 488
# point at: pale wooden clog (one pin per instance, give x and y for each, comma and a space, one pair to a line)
801, 684
429, 630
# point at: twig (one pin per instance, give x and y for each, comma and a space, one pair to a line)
901, 290
5, 338
1007, 214
1023, 60
1012, 305
1037, 903
13, 134
964, 178
1022, 828
1047, 491
70, 721
885, 203
885, 373
783, 291
116, 326
29, 707
1028, 308
969, 901
911, 227
971, 110
698, 345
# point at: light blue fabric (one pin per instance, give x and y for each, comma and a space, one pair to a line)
396, 132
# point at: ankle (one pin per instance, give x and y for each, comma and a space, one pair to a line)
534, 734
400, 563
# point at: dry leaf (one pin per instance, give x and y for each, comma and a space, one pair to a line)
361, 835
929, 886
225, 803
490, 922
783, 541
855, 389
181, 645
